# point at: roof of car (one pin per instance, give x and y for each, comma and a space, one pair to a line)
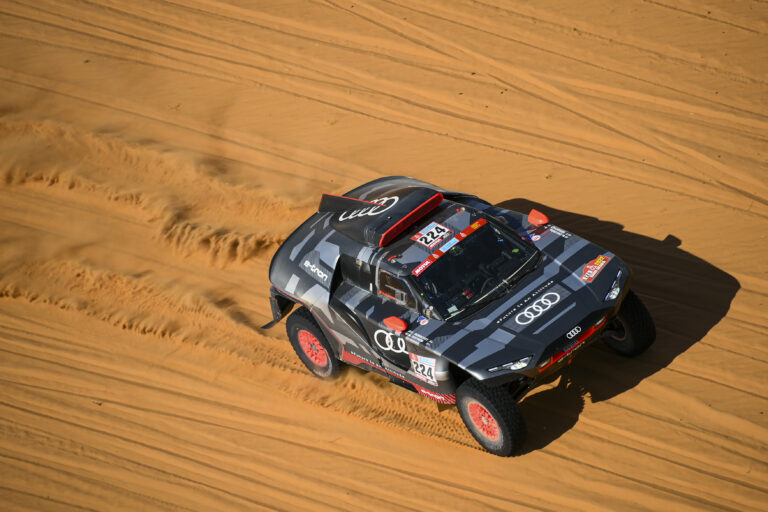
409, 252
397, 224
379, 221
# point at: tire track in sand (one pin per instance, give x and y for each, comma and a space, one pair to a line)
703, 182
526, 83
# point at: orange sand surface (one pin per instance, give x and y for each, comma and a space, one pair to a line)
154, 154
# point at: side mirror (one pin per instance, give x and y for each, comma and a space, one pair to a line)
537, 218
396, 324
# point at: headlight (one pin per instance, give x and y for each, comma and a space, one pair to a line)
514, 365
615, 290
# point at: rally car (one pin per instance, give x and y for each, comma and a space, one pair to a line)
451, 297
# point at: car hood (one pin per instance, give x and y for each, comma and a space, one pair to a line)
566, 291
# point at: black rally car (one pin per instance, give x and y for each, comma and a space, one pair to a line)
451, 297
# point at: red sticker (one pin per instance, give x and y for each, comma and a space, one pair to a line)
591, 269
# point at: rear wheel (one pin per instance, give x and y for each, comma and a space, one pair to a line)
492, 417
632, 331
310, 344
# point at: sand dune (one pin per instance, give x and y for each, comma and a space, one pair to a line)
153, 155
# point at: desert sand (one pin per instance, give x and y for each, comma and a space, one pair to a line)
154, 154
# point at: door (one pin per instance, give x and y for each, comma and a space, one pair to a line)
393, 299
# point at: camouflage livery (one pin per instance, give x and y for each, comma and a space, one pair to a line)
340, 261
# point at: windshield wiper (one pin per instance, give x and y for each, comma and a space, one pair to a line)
518, 274
475, 306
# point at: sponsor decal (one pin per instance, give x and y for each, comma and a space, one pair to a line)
386, 341
593, 268
560, 232
317, 271
381, 205
398, 374
423, 320
416, 337
362, 358
421, 267
539, 306
573, 332
424, 368
437, 397
534, 234
447, 246
431, 235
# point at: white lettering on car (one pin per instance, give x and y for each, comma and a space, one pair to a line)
315, 270
381, 205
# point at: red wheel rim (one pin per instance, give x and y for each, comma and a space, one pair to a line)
312, 348
484, 421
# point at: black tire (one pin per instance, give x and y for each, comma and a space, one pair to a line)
632, 331
311, 345
492, 417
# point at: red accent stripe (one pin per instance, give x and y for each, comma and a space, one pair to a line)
435, 396
589, 332
581, 339
414, 215
351, 358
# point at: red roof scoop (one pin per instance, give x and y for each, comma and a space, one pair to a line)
406, 221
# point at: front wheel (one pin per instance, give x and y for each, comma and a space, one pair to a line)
310, 344
632, 331
492, 416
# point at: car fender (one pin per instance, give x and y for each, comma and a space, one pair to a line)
280, 304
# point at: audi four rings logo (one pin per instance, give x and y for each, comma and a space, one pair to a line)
539, 306
385, 341
382, 204
573, 332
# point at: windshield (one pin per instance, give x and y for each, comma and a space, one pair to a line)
474, 270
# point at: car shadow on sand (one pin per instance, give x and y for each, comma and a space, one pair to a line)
686, 297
